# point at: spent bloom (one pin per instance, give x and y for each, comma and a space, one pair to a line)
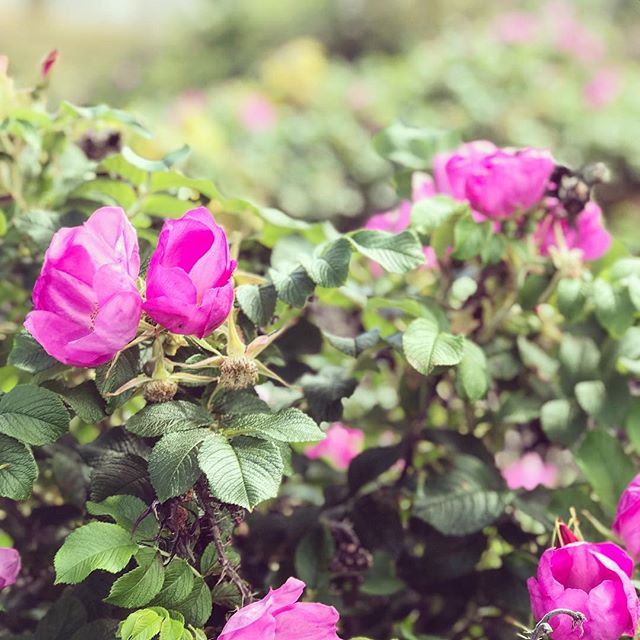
587, 233
86, 306
279, 616
189, 287
496, 182
529, 472
593, 579
10, 565
340, 446
626, 524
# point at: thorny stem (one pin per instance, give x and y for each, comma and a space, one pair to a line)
543, 630
228, 570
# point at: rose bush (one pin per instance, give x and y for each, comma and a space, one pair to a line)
213, 404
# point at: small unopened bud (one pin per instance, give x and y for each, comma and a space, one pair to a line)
568, 261
238, 373
160, 390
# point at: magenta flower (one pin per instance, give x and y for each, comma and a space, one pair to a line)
587, 234
626, 524
593, 579
340, 446
189, 287
86, 305
529, 472
10, 565
497, 183
279, 616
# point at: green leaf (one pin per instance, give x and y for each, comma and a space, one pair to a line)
354, 346
83, 399
606, 466
293, 287
257, 302
426, 346
165, 206
33, 415
330, 264
536, 359
289, 425
171, 180
325, 392
168, 417
614, 308
27, 354
429, 213
470, 237
370, 464
138, 587
117, 165
312, 557
571, 297
163, 164
561, 421
120, 473
126, 510
579, 357
18, 469
591, 396
395, 252
245, 472
177, 586
462, 500
413, 147
473, 371
461, 290
111, 376
107, 191
143, 625
97, 545
63, 619
197, 607
629, 352
173, 464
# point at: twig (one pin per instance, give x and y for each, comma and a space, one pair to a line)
228, 570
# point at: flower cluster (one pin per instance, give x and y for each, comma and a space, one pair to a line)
86, 304
504, 184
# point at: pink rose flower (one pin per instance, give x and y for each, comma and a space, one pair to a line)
10, 565
593, 579
279, 616
86, 304
340, 446
189, 287
602, 89
497, 183
530, 471
516, 27
626, 524
588, 233
257, 114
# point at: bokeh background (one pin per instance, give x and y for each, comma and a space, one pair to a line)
279, 99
